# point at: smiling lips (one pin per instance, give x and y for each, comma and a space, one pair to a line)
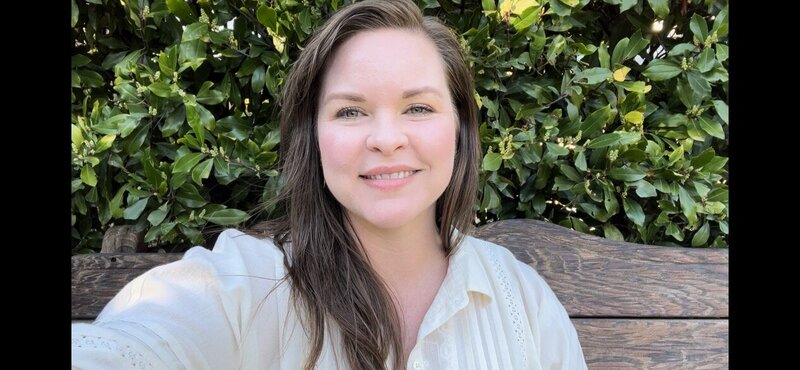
388, 178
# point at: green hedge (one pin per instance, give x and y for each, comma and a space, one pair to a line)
590, 117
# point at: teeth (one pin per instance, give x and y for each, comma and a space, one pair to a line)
387, 176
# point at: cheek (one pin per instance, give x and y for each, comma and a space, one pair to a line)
335, 150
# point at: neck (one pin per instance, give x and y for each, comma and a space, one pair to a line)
400, 254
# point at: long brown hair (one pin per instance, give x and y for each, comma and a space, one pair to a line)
330, 275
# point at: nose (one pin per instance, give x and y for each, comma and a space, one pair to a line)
386, 135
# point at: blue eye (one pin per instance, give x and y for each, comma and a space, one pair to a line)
419, 109
348, 113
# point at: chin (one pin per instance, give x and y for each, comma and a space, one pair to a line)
389, 218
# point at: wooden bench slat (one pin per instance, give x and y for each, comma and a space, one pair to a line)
96, 278
594, 276
634, 306
654, 343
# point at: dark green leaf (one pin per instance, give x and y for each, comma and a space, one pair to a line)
594, 75
210, 97
227, 216
681, 49
74, 18
614, 139
167, 60
173, 122
686, 95
701, 188
191, 54
259, 79
619, 52
90, 78
134, 142
561, 183
701, 236
635, 155
610, 201
80, 60
160, 89
491, 200
722, 52
645, 189
528, 17
634, 86
612, 232
76, 79
687, 205
556, 150
723, 226
88, 176
195, 31
706, 60
190, 197
488, 5
701, 159
580, 162
202, 171
635, 45
267, 17
718, 195
492, 161
674, 231
596, 121
626, 174
626, 4
602, 55
722, 109
661, 69
187, 162
699, 28
570, 172
711, 127
660, 7
194, 235
721, 22
134, 211
182, 11
698, 83
664, 186
634, 211
715, 165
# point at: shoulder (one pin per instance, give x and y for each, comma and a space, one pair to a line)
512, 273
236, 252
500, 256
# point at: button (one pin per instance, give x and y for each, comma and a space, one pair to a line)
417, 365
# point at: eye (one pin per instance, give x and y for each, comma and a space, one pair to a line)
419, 109
348, 113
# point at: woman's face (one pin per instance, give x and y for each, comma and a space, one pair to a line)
387, 128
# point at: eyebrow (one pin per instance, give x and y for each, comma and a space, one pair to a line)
360, 98
345, 96
424, 89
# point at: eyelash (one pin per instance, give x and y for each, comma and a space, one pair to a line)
342, 113
427, 109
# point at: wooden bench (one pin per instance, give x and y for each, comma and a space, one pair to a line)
634, 306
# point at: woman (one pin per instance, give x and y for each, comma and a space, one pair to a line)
371, 267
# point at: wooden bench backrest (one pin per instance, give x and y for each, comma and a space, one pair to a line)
634, 306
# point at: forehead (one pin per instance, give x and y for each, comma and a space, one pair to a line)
394, 56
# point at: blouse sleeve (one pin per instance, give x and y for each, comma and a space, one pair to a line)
555, 336
192, 313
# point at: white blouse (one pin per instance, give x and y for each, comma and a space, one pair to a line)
227, 309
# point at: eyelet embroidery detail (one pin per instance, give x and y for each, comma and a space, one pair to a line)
512, 304
111, 345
